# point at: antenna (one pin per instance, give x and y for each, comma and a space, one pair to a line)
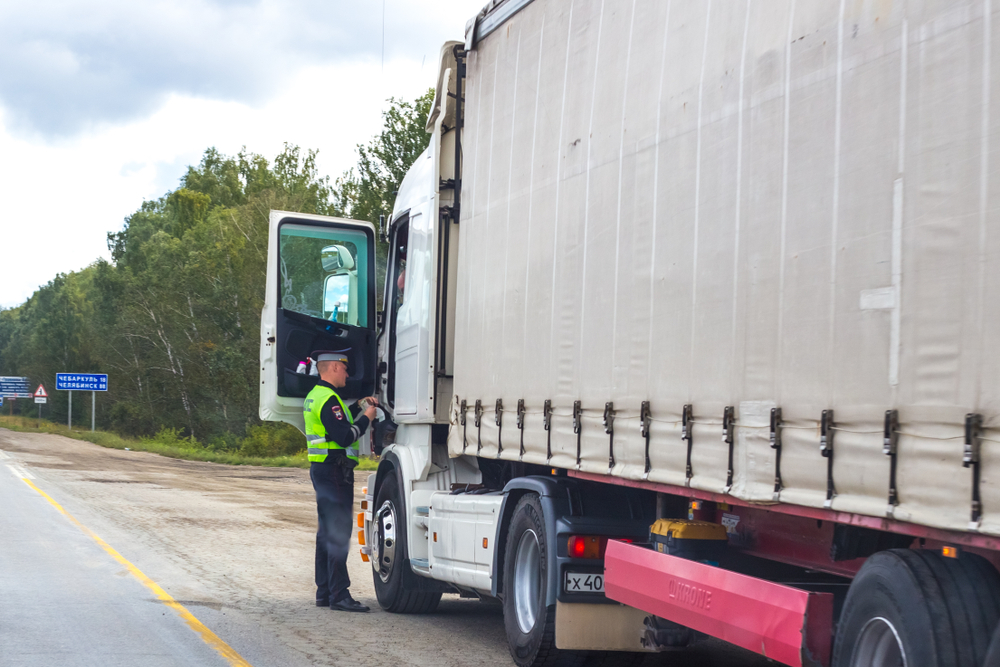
383, 36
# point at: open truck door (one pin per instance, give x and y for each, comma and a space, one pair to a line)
320, 296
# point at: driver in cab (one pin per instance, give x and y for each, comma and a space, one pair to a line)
333, 431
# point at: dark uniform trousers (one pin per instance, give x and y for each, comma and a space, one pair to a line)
334, 485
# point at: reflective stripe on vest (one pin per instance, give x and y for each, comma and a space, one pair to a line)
352, 452
316, 434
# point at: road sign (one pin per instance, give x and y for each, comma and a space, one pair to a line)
40, 392
41, 399
14, 387
82, 381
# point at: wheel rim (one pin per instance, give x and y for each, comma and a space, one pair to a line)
879, 646
385, 543
527, 581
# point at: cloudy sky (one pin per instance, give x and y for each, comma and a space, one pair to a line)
104, 103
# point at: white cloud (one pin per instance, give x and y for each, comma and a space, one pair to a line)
72, 66
62, 194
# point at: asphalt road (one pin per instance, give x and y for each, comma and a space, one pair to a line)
123, 558
66, 602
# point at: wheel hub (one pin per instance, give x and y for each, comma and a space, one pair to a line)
385, 541
527, 581
879, 646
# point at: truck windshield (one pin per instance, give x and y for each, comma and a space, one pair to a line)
324, 273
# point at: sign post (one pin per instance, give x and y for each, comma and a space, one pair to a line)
92, 382
41, 396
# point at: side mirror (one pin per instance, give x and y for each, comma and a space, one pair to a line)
337, 258
383, 233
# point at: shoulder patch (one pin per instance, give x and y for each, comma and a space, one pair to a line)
337, 412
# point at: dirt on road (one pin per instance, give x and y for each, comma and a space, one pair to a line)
243, 538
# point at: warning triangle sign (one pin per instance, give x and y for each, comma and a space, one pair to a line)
40, 392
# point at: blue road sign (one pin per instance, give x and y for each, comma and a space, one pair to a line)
15, 387
82, 381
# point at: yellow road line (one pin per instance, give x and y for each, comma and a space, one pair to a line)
209, 637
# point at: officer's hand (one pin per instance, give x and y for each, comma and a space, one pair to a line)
373, 400
370, 413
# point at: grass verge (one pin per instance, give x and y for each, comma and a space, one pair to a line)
166, 443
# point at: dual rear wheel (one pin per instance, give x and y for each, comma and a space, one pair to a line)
911, 608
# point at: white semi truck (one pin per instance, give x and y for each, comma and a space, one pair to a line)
690, 327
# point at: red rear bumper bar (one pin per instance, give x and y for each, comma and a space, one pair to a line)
783, 623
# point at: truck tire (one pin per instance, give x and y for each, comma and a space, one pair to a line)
919, 609
390, 555
986, 585
529, 622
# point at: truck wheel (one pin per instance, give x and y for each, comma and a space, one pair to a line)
916, 609
530, 623
389, 555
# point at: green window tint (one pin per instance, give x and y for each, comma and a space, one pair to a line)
324, 273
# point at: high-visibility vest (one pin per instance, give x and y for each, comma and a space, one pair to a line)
319, 446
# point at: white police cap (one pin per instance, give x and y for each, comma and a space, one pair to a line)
330, 355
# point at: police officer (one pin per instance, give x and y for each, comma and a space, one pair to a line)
332, 431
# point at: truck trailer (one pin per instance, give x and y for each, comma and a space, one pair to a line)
686, 331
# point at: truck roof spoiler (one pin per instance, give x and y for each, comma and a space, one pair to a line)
441, 93
489, 18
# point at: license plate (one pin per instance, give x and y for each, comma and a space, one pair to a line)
580, 582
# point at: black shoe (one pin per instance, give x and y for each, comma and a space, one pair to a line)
322, 602
348, 604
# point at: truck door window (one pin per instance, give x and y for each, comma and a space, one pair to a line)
397, 282
324, 273
400, 270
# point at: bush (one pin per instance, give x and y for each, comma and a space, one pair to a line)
272, 439
226, 442
170, 437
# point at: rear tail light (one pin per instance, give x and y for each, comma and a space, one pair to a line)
586, 546
590, 546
